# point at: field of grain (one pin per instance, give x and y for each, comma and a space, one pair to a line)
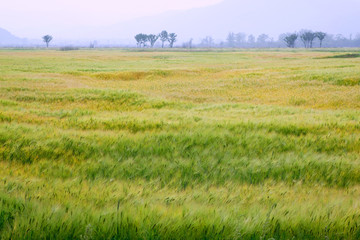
119, 144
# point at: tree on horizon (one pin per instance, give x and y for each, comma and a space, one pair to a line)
152, 39
290, 40
47, 39
172, 39
320, 36
164, 36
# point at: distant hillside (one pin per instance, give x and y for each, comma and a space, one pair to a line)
249, 16
272, 17
6, 38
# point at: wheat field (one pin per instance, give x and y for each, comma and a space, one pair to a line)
216, 144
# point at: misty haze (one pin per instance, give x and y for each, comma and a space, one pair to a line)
217, 20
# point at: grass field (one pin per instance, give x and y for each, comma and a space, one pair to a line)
119, 144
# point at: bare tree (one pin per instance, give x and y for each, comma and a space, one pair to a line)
47, 39
290, 40
164, 36
320, 36
172, 38
152, 39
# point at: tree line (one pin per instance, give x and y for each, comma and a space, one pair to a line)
303, 38
307, 38
142, 40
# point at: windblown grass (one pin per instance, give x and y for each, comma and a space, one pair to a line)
117, 144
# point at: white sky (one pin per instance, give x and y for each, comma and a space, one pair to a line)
26, 18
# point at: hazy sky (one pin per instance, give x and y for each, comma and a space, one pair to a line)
22, 16
120, 20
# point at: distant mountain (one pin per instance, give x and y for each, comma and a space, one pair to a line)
7, 39
250, 16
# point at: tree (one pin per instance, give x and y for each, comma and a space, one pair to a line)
231, 39
262, 38
304, 39
307, 37
188, 44
172, 38
93, 44
251, 39
207, 41
141, 39
240, 38
164, 36
290, 40
312, 36
47, 39
152, 39
339, 37
320, 36
138, 38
